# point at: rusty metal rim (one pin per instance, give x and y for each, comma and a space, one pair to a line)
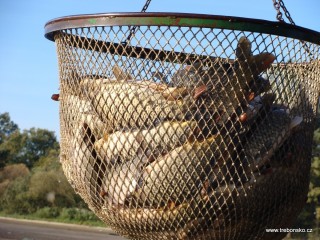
180, 19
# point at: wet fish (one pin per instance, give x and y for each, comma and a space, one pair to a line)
119, 146
259, 85
124, 146
130, 104
74, 105
250, 66
81, 129
168, 135
187, 76
179, 175
85, 163
55, 96
252, 109
96, 126
269, 136
257, 110
227, 86
173, 217
81, 150
76, 110
121, 181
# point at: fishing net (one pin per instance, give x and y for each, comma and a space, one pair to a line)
193, 127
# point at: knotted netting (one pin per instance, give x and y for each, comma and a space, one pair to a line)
195, 127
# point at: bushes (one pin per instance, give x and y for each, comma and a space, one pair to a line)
13, 188
78, 214
47, 212
13, 171
51, 189
43, 193
24, 192
66, 215
15, 198
73, 215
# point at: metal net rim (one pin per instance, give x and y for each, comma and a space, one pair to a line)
181, 20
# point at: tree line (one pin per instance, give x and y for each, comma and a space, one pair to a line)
31, 178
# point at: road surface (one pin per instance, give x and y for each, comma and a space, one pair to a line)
13, 229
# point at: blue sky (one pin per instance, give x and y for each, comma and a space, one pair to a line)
28, 61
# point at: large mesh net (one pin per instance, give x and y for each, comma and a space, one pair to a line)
188, 132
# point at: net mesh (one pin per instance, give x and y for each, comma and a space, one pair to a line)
214, 143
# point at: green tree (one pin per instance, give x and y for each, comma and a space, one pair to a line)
6, 126
36, 143
10, 149
26, 147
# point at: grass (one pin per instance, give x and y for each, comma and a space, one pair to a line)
64, 215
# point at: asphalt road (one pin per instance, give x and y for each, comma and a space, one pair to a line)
13, 229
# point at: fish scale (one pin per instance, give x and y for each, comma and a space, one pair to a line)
181, 173
124, 146
269, 136
124, 104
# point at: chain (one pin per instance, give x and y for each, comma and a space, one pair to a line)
146, 5
286, 12
279, 13
133, 29
278, 5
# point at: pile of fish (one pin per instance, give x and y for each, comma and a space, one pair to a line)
166, 148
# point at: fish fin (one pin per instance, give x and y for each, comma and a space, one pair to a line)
120, 74
199, 91
243, 50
